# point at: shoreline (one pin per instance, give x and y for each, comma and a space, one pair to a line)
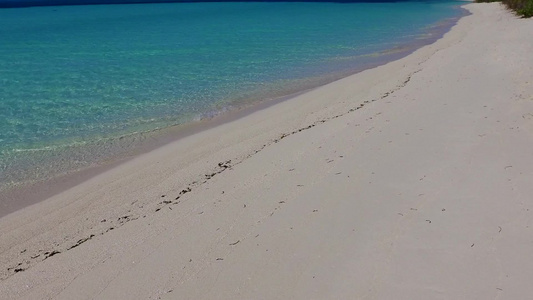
35, 192
32, 192
410, 180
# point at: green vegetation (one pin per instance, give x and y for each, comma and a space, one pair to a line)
523, 8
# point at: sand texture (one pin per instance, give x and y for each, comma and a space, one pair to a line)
413, 180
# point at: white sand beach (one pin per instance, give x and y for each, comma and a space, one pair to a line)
412, 180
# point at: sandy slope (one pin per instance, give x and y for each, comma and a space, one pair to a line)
424, 192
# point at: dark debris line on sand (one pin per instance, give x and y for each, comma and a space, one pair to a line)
220, 168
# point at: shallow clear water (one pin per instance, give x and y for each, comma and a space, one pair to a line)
73, 80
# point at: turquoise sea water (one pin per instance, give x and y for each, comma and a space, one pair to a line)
80, 84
